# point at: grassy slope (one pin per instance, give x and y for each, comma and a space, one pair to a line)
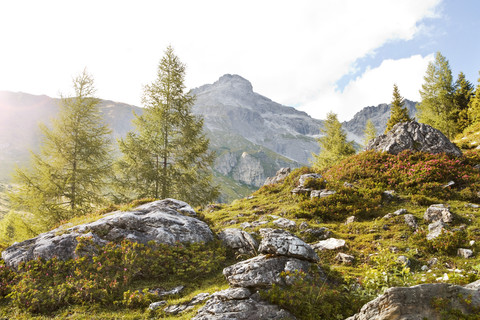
367, 239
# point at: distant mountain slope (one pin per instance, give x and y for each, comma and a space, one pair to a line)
379, 116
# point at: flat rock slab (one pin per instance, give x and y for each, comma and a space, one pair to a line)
262, 271
280, 242
329, 244
415, 303
165, 221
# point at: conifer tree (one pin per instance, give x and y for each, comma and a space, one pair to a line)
370, 132
167, 156
474, 106
67, 176
333, 145
437, 107
462, 96
398, 113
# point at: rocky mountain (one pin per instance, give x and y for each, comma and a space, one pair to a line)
379, 116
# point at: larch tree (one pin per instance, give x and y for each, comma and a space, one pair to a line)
474, 106
437, 107
398, 113
67, 177
333, 145
462, 96
167, 156
370, 132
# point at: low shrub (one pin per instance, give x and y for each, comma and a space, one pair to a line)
446, 243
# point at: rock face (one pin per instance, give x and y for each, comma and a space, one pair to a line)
238, 240
279, 176
413, 136
415, 303
241, 304
164, 221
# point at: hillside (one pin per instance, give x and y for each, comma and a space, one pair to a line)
375, 221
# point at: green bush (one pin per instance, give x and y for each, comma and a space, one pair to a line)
310, 297
102, 277
446, 243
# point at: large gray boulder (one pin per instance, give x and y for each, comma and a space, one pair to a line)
413, 136
263, 271
239, 304
417, 302
165, 221
283, 243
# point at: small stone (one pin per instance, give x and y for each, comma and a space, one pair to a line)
472, 242
322, 193
403, 260
438, 212
301, 190
351, 219
424, 268
329, 244
394, 250
400, 211
285, 223
318, 233
388, 216
449, 184
435, 229
465, 253
303, 225
156, 305
432, 262
348, 185
389, 195
411, 221
472, 205
344, 258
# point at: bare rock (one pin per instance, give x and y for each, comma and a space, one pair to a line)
304, 177
285, 223
280, 242
344, 258
351, 219
240, 304
415, 303
438, 212
238, 240
465, 253
322, 193
329, 244
262, 271
435, 229
279, 176
400, 211
411, 221
413, 136
165, 221
318, 233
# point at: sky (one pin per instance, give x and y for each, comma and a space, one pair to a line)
318, 56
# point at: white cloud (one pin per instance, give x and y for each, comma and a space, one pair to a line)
292, 52
373, 87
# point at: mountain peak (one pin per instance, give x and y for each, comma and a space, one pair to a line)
234, 81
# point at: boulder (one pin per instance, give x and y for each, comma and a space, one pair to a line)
329, 244
238, 240
465, 253
283, 243
438, 212
417, 302
262, 271
165, 221
413, 136
239, 304
344, 258
279, 176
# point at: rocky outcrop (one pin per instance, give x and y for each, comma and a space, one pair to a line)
283, 243
279, 176
418, 303
413, 136
240, 304
164, 221
238, 240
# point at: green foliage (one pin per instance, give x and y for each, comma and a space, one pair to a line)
370, 132
444, 307
437, 107
462, 96
410, 172
446, 243
103, 277
68, 175
7, 279
474, 106
398, 113
385, 273
334, 146
310, 297
168, 154
15, 226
